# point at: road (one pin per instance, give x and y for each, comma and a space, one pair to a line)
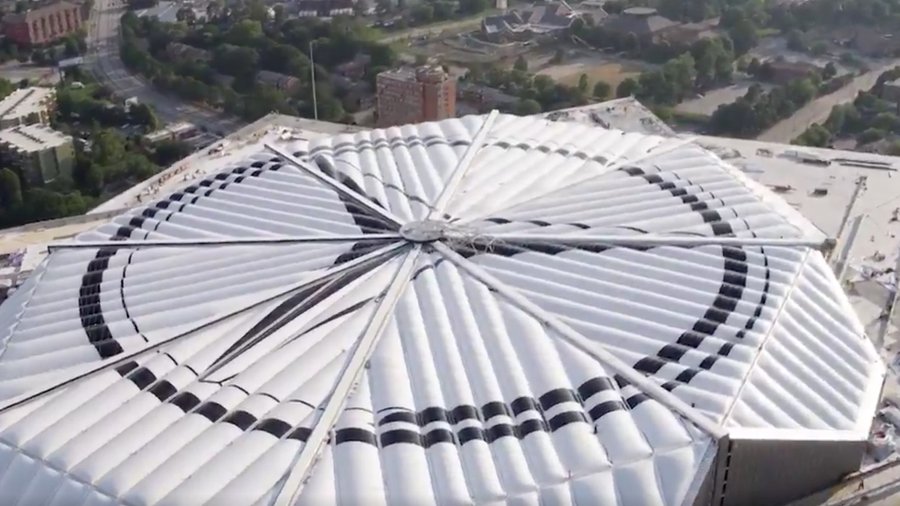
448, 27
818, 110
104, 62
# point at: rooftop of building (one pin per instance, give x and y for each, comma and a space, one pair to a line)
626, 114
275, 78
822, 184
170, 130
603, 308
641, 21
410, 73
25, 101
33, 138
537, 18
37, 11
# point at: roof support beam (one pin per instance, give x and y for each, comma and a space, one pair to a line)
462, 167
591, 348
336, 185
377, 256
347, 380
195, 243
634, 240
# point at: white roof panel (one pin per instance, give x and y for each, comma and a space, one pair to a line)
479, 310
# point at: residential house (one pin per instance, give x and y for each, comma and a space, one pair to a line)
179, 51
355, 68
783, 71
484, 98
279, 81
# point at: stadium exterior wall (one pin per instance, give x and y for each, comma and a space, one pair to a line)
772, 471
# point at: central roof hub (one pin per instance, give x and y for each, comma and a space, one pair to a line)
423, 231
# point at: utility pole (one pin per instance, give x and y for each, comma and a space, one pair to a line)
312, 72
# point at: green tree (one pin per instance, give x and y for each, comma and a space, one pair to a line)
870, 135
71, 47
236, 61
627, 88
886, 121
583, 83
815, 135
142, 114
521, 65
186, 15
107, 147
245, 33
257, 11
744, 36
468, 7
680, 72
168, 152
738, 118
558, 57
6, 87
422, 13
10, 189
602, 90
819, 48
893, 149
801, 91
528, 107
796, 41
92, 178
829, 71
714, 63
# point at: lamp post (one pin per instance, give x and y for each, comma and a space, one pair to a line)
312, 72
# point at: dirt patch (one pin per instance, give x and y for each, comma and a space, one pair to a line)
611, 72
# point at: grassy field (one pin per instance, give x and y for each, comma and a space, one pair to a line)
612, 72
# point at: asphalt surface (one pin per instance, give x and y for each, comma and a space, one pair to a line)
104, 62
818, 110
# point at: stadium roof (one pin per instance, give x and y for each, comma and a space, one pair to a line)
481, 309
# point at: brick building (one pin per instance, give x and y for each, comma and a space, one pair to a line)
44, 24
414, 95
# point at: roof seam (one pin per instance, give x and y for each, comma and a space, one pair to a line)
196, 243
594, 350
348, 379
653, 239
766, 339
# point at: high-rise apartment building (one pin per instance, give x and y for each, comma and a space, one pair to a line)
407, 95
44, 24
